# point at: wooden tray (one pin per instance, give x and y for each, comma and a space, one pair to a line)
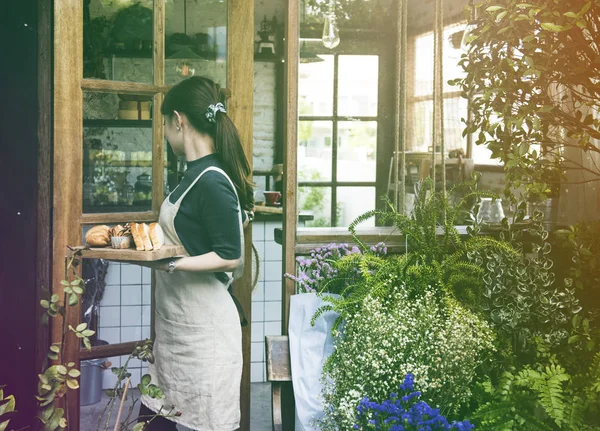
110, 253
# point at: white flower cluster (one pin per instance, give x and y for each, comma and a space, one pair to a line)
438, 341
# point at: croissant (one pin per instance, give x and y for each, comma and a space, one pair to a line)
98, 236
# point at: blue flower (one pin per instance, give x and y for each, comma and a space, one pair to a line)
404, 414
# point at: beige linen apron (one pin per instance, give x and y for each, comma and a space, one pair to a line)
198, 342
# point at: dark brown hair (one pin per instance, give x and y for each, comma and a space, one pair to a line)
192, 97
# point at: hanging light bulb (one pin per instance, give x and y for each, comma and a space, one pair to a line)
331, 33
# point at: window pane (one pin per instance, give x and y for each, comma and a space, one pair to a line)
357, 148
315, 87
420, 125
423, 60
318, 201
118, 40
117, 153
314, 150
357, 85
352, 202
196, 40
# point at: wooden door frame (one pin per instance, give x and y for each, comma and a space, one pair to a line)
68, 152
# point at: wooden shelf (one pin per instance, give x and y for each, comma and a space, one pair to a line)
268, 209
131, 254
118, 123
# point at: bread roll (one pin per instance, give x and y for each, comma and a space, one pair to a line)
157, 236
98, 236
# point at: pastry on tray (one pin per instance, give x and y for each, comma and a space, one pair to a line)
142, 236
146, 237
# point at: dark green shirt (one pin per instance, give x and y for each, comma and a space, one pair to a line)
208, 218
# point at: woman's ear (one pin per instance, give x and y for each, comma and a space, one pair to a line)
178, 119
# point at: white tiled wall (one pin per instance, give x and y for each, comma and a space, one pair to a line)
124, 314
266, 297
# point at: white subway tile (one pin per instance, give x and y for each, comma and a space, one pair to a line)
109, 380
134, 363
257, 352
131, 274
273, 290
112, 295
273, 271
131, 333
270, 227
113, 274
135, 377
111, 335
257, 372
258, 312
146, 275
131, 315
258, 294
109, 316
146, 333
115, 361
146, 294
272, 328
260, 248
131, 295
261, 271
273, 311
258, 332
146, 315
273, 251
258, 231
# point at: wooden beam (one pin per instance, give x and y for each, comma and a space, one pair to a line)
68, 132
109, 350
290, 150
103, 218
240, 78
120, 87
44, 170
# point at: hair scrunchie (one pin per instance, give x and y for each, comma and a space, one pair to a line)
211, 112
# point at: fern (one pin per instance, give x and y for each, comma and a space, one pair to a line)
548, 385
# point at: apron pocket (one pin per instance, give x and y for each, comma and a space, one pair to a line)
193, 359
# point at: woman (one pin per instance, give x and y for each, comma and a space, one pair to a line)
198, 342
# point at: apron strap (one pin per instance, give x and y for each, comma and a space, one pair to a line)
240, 310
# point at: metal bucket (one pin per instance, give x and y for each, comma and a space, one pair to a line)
90, 386
90, 382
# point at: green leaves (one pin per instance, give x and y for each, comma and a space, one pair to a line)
147, 388
7, 409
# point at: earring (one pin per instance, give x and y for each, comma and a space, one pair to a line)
178, 128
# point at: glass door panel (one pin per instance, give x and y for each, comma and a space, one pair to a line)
357, 151
118, 40
117, 153
196, 40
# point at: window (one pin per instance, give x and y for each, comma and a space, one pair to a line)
337, 137
420, 102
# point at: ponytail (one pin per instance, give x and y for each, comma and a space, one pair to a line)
229, 148
193, 96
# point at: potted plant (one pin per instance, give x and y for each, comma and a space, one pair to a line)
532, 84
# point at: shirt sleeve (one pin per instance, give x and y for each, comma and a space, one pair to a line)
217, 206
